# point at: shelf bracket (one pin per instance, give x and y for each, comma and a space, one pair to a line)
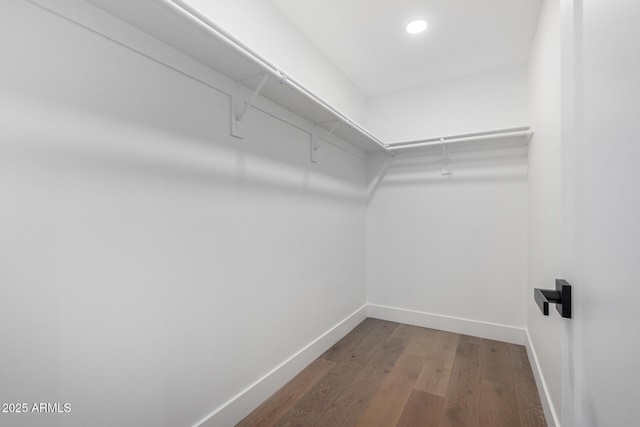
238, 104
446, 170
317, 141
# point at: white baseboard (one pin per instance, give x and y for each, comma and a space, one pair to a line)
492, 331
250, 398
545, 398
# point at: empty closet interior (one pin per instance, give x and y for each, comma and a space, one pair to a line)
200, 198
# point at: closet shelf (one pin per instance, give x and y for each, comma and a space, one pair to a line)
521, 131
244, 74
177, 24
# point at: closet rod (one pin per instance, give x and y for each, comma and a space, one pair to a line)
477, 136
193, 15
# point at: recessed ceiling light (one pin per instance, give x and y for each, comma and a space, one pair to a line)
416, 27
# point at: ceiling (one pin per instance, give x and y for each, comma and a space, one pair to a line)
367, 40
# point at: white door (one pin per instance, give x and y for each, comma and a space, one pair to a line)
601, 191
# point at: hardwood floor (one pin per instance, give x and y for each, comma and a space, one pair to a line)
389, 374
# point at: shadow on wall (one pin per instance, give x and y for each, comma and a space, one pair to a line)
477, 161
274, 156
117, 111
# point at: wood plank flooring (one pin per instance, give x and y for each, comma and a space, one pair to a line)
389, 374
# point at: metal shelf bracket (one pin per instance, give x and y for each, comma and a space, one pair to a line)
317, 141
238, 104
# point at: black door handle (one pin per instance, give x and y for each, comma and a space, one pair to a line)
561, 297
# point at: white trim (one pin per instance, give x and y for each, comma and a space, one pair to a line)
545, 397
251, 397
492, 331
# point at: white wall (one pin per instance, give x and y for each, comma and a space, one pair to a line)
603, 207
482, 102
452, 246
260, 25
545, 201
152, 266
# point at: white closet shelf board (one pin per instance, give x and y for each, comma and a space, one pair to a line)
164, 21
524, 132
